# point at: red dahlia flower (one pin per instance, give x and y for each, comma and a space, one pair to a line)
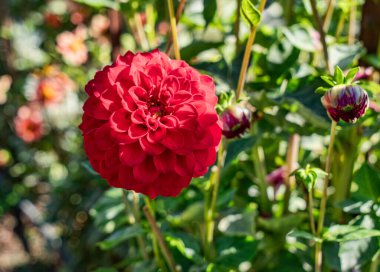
150, 123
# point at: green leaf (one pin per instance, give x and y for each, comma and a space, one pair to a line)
187, 245
120, 236
98, 4
209, 10
368, 180
351, 75
304, 235
338, 75
282, 224
250, 13
344, 233
235, 147
328, 80
300, 38
345, 55
105, 269
232, 251
196, 47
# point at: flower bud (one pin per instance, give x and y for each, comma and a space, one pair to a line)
236, 120
346, 102
277, 177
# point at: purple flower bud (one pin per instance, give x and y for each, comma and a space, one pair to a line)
236, 120
346, 102
277, 177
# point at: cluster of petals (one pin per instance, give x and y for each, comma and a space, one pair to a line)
28, 123
48, 86
150, 124
72, 47
346, 102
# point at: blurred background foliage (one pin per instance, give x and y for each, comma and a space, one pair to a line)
58, 215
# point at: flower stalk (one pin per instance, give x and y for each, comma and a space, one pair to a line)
148, 211
210, 210
173, 25
322, 209
247, 55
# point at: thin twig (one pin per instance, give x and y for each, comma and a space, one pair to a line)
177, 17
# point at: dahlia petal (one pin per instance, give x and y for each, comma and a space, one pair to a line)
145, 172
143, 80
122, 137
113, 73
205, 157
131, 154
171, 184
165, 161
94, 108
173, 140
103, 138
187, 116
137, 131
156, 135
138, 117
126, 59
126, 177
120, 120
111, 99
89, 123
151, 148
209, 87
185, 165
139, 95
152, 123
208, 117
169, 121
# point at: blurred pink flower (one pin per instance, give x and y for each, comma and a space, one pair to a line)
72, 47
48, 86
53, 20
29, 123
99, 25
277, 177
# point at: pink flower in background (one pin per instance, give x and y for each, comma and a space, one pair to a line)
48, 86
29, 123
277, 177
150, 123
99, 25
72, 47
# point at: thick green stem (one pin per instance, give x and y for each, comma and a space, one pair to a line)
210, 209
149, 214
322, 35
247, 55
311, 207
322, 209
291, 162
173, 25
260, 170
289, 11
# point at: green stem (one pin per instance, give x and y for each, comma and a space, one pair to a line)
311, 207
141, 33
237, 27
210, 209
150, 21
322, 209
340, 26
247, 55
322, 34
135, 219
328, 15
351, 26
260, 170
375, 262
289, 11
149, 214
173, 25
291, 160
